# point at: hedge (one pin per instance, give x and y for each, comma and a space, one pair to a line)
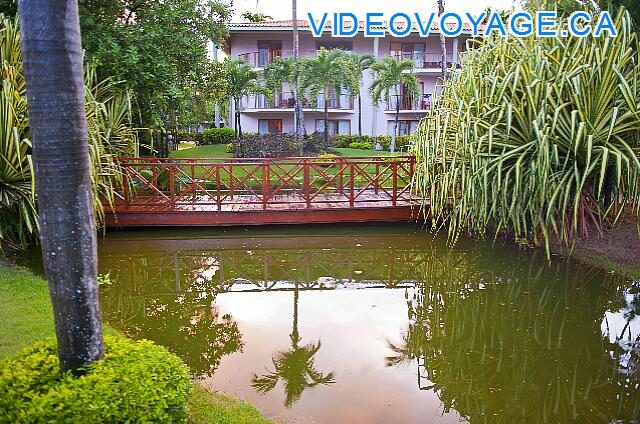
344, 140
218, 136
138, 381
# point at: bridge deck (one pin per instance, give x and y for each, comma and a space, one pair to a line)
259, 192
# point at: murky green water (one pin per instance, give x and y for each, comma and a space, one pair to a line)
368, 324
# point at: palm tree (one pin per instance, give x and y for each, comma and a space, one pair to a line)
256, 17
294, 366
242, 80
363, 62
52, 53
329, 70
390, 76
298, 114
443, 44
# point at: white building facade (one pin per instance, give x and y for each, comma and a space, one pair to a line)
260, 43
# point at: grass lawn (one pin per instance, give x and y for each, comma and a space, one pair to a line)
255, 180
212, 151
26, 317
358, 152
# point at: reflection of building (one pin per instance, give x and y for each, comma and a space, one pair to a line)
259, 43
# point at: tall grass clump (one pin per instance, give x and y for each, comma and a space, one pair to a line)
111, 135
539, 137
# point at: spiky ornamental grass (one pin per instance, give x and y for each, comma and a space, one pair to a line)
111, 135
539, 137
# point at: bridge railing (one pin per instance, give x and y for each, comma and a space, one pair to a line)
225, 184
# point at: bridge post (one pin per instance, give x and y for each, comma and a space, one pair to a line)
172, 186
307, 182
125, 188
265, 184
394, 165
218, 198
351, 187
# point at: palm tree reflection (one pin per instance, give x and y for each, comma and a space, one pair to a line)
295, 366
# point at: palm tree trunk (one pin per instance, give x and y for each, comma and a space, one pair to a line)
360, 117
52, 51
295, 335
443, 44
325, 137
298, 116
238, 118
395, 127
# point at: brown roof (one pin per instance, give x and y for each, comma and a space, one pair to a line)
286, 24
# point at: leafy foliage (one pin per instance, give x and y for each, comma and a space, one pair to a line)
157, 47
536, 136
136, 380
18, 215
242, 80
111, 135
217, 136
390, 75
329, 70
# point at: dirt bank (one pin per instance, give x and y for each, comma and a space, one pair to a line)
618, 250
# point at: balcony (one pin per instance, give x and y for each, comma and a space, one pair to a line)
424, 60
262, 58
409, 103
286, 100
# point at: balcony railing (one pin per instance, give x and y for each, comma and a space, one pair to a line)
262, 58
424, 60
409, 102
286, 100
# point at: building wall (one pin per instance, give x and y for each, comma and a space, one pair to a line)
375, 119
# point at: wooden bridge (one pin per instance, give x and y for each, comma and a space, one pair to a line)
245, 191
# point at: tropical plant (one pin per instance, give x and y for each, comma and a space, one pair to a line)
52, 53
363, 62
18, 215
536, 136
256, 17
329, 70
242, 80
390, 76
443, 45
108, 114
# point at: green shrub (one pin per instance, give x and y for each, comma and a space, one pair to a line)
362, 145
137, 381
230, 148
217, 136
343, 140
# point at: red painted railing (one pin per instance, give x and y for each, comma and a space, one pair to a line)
298, 182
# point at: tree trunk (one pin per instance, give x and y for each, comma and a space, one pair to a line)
297, 110
239, 123
392, 147
52, 52
325, 136
360, 117
295, 335
443, 44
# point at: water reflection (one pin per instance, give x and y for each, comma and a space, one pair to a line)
501, 345
295, 366
410, 331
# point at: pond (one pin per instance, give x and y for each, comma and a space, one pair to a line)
381, 324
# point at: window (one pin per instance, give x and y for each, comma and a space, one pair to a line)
269, 126
342, 45
405, 127
415, 51
268, 50
340, 126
